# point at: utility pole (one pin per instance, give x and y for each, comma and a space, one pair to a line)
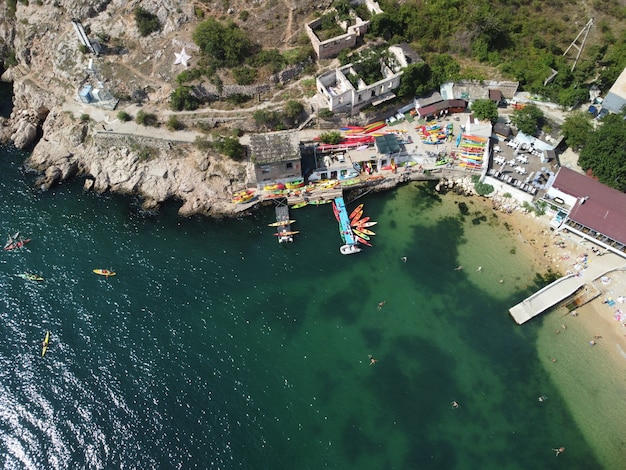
585, 32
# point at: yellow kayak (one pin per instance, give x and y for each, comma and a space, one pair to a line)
45, 344
104, 272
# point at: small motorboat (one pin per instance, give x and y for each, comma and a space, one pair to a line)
349, 249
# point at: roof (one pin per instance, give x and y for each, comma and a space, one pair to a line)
615, 99
495, 95
410, 55
274, 147
599, 207
445, 104
434, 97
475, 89
387, 144
503, 129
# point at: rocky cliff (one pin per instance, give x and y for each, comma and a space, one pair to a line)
48, 66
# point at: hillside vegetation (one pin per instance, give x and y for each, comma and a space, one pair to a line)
522, 39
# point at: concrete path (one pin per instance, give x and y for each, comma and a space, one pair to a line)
564, 287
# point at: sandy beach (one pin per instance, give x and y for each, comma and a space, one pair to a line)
584, 351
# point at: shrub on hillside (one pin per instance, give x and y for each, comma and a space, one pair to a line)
147, 119
147, 23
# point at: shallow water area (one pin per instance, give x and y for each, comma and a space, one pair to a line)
216, 347
589, 380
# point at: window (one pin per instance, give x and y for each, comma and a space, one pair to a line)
289, 165
265, 169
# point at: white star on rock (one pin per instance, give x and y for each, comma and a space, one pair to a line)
182, 57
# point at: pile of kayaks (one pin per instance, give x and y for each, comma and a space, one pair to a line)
360, 226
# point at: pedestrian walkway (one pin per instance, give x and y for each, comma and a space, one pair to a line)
564, 287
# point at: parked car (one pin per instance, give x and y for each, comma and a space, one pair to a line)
603, 112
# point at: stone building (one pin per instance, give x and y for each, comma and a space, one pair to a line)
276, 157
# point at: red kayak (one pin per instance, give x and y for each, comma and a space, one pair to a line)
18, 244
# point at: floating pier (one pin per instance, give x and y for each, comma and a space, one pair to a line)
350, 243
283, 223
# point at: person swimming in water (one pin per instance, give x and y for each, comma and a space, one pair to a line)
372, 360
381, 304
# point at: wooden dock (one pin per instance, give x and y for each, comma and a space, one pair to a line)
284, 232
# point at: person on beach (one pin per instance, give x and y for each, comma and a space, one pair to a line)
592, 343
380, 304
372, 360
558, 451
479, 269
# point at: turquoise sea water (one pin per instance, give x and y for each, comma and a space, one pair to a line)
216, 347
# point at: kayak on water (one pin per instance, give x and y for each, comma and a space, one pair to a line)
45, 344
12, 239
30, 277
17, 244
104, 272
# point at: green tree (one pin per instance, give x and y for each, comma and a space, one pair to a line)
231, 147
576, 129
182, 99
146, 119
528, 119
485, 109
444, 68
415, 80
147, 23
124, 116
226, 44
604, 153
244, 75
293, 109
332, 137
175, 124
265, 118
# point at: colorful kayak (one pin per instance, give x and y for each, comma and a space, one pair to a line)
360, 234
295, 184
336, 211
45, 344
104, 272
283, 234
364, 230
323, 201
359, 222
299, 205
18, 244
363, 242
281, 223
30, 277
365, 224
356, 217
12, 239
356, 210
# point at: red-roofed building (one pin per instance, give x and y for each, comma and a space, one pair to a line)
593, 210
